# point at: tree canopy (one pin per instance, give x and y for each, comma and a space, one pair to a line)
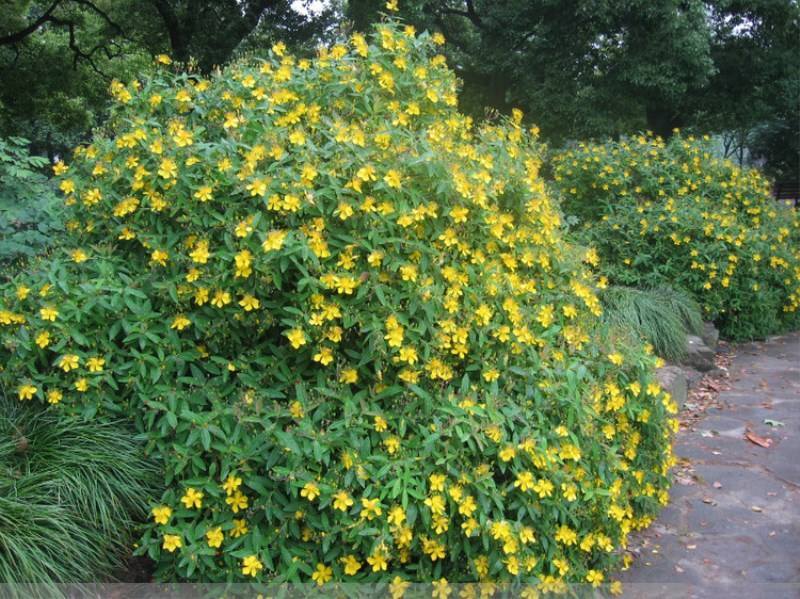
57, 57
588, 69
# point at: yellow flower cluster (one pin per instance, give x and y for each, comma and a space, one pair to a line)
347, 320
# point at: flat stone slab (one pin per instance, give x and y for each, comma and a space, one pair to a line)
732, 528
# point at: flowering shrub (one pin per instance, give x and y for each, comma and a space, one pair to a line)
347, 321
671, 213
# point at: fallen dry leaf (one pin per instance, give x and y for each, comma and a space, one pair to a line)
754, 438
755, 508
716, 484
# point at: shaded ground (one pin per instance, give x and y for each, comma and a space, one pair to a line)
732, 528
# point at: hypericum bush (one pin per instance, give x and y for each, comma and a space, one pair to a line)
346, 319
71, 493
671, 213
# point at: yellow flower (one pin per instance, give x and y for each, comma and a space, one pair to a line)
163, 59
26, 391
81, 385
161, 514
310, 491
525, 481
251, 566
200, 253
507, 453
342, 501
398, 587
566, 535
397, 516
159, 257
393, 179
274, 240
296, 410
324, 356
595, 577
370, 508
237, 501
441, 589
203, 193
180, 322
378, 561
168, 169
491, 375
48, 313
297, 338
543, 488
43, 339
231, 484
239, 528
172, 542
192, 498
322, 574
79, 256
249, 303
68, 362
243, 260
351, 565
54, 396
348, 375
392, 444
436, 504
214, 537
616, 359
221, 299
95, 364
570, 491
437, 482
67, 186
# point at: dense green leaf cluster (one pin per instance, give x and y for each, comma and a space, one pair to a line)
30, 212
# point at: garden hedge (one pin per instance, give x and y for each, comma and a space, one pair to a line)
673, 213
346, 319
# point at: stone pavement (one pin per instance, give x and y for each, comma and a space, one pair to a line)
732, 528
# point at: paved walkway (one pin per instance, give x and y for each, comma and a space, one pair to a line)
732, 528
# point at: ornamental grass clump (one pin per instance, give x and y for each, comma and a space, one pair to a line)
672, 213
346, 319
71, 494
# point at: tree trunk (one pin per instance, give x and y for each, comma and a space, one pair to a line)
661, 121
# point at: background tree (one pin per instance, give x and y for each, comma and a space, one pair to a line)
755, 94
57, 57
589, 69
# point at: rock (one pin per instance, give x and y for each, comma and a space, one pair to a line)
673, 380
698, 354
710, 335
692, 376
